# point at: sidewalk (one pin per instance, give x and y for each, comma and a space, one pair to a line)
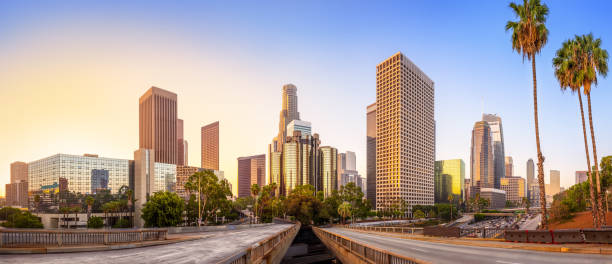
170, 239
584, 248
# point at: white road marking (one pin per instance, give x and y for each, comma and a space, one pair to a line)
506, 262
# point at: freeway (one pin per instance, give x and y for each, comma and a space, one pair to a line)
211, 248
447, 253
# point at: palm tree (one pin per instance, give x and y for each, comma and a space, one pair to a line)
344, 210
529, 35
255, 191
65, 211
37, 201
130, 196
567, 70
89, 201
76, 210
593, 61
526, 203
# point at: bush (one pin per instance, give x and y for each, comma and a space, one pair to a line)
95, 222
418, 214
479, 217
23, 220
7, 212
122, 223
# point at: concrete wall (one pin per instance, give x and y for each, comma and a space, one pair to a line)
195, 229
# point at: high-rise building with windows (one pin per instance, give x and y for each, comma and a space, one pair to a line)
449, 179
158, 120
555, 182
481, 159
497, 142
99, 180
210, 146
509, 167
531, 173
251, 170
288, 113
328, 169
19, 171
405, 134
515, 189
304, 127
581, 176
182, 155
371, 154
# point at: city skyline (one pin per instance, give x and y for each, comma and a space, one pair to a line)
61, 104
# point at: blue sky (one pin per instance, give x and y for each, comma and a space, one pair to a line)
75, 70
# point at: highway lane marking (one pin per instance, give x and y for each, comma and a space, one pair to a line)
506, 262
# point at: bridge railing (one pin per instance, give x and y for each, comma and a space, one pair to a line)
261, 250
483, 232
28, 238
367, 253
388, 229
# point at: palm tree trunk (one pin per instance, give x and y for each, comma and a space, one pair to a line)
540, 157
588, 157
600, 209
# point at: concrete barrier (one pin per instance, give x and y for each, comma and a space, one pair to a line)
516, 235
195, 229
597, 236
540, 236
568, 236
441, 231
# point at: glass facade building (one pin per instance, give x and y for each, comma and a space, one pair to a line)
165, 177
454, 170
328, 169
75, 173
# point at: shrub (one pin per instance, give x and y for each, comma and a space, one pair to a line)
479, 217
95, 222
7, 212
23, 220
122, 223
163, 209
418, 214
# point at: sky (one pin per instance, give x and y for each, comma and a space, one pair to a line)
71, 74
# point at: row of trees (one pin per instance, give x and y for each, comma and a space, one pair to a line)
577, 64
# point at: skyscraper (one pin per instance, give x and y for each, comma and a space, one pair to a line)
210, 146
481, 159
497, 141
509, 167
158, 124
454, 170
405, 134
288, 113
251, 170
530, 174
300, 161
555, 182
371, 154
328, 169
19, 171
515, 189
181, 143
581, 176
298, 125
347, 169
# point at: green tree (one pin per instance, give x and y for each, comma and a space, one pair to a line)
302, 204
418, 214
95, 222
23, 220
89, 201
526, 203
567, 72
344, 210
7, 212
451, 198
210, 192
529, 35
163, 209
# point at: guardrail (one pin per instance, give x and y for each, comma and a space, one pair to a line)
601, 236
367, 253
28, 238
261, 250
401, 230
483, 232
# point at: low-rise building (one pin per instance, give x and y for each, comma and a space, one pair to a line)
496, 197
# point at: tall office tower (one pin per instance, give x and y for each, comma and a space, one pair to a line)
509, 167
371, 154
19, 171
497, 140
405, 134
304, 127
347, 169
158, 124
210, 146
481, 160
288, 113
341, 164
515, 189
351, 161
275, 172
299, 161
181, 143
251, 170
530, 174
328, 169
449, 179
144, 181
555, 182
581, 176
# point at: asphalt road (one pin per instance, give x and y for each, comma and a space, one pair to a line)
215, 246
446, 253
